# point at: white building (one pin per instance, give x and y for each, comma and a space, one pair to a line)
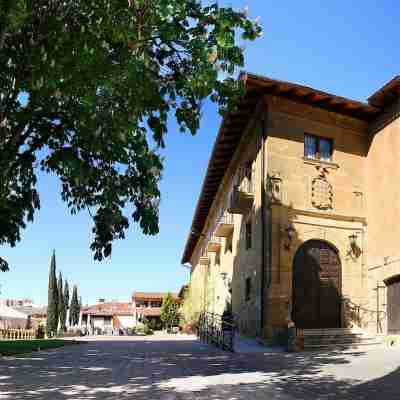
107, 317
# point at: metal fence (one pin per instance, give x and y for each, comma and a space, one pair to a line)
218, 330
226, 218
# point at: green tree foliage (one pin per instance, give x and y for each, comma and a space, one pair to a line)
74, 308
52, 304
191, 306
169, 312
62, 308
100, 79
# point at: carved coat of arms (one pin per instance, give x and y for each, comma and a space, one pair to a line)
321, 192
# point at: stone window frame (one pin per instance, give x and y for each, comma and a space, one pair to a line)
317, 155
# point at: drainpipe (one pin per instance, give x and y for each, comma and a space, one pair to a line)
263, 220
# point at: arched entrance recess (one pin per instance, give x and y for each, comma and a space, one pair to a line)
317, 282
393, 304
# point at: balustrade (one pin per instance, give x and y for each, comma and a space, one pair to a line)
17, 334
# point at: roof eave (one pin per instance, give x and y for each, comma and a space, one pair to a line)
263, 85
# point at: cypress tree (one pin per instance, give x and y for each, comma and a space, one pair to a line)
74, 308
66, 299
80, 306
62, 309
52, 304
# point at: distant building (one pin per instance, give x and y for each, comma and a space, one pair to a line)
16, 302
147, 305
11, 318
21, 309
107, 317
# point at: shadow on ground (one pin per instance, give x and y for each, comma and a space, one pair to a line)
186, 369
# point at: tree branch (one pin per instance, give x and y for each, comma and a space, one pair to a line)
4, 22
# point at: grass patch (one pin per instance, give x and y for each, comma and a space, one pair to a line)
12, 347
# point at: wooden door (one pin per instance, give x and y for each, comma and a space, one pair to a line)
317, 286
393, 305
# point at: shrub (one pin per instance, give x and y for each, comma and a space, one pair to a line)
152, 324
139, 329
71, 333
147, 330
39, 334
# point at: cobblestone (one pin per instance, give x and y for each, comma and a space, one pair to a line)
181, 368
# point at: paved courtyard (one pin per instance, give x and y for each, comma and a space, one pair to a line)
177, 367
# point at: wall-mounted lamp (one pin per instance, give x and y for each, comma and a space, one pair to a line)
354, 249
290, 231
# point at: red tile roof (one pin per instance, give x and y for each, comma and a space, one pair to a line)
111, 308
149, 312
152, 295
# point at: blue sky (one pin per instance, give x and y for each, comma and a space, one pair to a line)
347, 48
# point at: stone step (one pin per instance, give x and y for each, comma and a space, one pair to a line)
341, 346
348, 335
333, 331
345, 338
341, 342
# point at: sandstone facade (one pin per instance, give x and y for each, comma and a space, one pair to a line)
278, 201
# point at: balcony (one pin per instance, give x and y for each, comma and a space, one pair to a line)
242, 196
225, 225
215, 244
204, 259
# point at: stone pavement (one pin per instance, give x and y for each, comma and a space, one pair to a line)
180, 368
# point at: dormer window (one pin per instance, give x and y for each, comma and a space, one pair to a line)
318, 148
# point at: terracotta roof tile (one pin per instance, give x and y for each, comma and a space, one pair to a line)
111, 308
152, 295
149, 312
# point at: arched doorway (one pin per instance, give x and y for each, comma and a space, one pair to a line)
393, 304
317, 274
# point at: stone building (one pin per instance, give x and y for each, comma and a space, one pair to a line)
147, 306
296, 224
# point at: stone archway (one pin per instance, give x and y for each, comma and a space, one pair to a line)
393, 304
317, 281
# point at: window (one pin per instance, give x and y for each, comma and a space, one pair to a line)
248, 235
248, 289
318, 148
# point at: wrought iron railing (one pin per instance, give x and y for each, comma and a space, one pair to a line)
357, 314
216, 239
226, 218
218, 330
